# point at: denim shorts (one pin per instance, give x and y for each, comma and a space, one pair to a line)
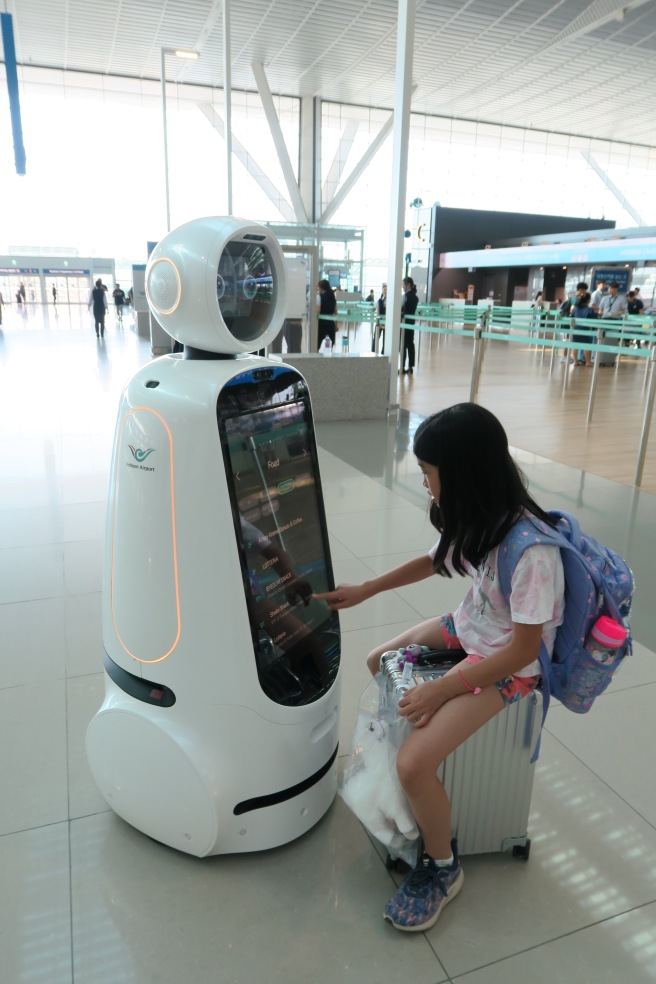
511, 688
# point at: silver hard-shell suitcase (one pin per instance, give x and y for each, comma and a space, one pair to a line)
489, 778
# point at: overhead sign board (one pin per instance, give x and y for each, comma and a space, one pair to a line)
553, 254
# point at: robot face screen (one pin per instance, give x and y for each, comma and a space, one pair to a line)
245, 288
282, 540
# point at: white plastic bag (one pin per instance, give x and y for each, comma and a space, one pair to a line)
370, 785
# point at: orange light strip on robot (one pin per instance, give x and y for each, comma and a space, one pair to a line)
175, 545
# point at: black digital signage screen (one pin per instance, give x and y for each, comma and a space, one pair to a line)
273, 477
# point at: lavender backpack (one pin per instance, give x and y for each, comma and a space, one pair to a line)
597, 582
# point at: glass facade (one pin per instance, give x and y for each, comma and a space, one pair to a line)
107, 190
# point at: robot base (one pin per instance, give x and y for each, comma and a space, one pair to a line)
170, 781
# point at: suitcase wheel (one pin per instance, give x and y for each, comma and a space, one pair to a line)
396, 864
522, 850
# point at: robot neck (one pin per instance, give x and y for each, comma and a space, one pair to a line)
194, 353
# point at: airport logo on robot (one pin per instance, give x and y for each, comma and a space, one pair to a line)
140, 456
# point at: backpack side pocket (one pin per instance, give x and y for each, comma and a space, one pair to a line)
578, 682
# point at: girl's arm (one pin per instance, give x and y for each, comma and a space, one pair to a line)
347, 595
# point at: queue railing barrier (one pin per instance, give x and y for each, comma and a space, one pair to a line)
552, 331
548, 330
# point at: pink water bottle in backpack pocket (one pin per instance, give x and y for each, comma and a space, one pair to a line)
605, 639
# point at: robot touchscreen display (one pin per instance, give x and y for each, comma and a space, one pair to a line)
283, 550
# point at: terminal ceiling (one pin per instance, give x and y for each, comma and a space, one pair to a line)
584, 67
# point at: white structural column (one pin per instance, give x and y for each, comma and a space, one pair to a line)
279, 141
318, 155
179, 53
227, 100
404, 51
306, 169
162, 69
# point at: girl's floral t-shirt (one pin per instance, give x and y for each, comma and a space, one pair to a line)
483, 621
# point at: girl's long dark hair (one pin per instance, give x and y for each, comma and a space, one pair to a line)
483, 492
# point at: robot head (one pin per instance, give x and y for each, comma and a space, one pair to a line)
218, 284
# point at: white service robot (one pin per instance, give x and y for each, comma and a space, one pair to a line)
219, 728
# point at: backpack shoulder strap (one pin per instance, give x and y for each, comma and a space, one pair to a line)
529, 532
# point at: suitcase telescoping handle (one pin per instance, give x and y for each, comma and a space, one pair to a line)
440, 659
405, 668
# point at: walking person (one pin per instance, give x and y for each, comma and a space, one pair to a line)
477, 495
119, 301
98, 301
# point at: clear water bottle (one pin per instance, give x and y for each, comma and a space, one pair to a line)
606, 637
408, 658
327, 346
408, 669
345, 344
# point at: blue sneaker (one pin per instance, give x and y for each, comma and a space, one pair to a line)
417, 904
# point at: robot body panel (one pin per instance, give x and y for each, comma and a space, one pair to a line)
181, 779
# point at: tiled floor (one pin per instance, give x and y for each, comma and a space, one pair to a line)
85, 898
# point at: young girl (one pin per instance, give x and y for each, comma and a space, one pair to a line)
477, 494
